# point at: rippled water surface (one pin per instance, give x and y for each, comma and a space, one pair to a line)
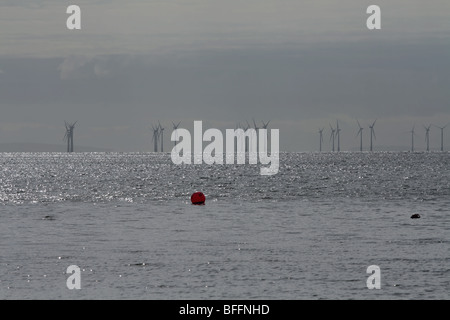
308, 232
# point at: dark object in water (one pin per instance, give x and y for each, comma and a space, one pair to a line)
198, 198
415, 216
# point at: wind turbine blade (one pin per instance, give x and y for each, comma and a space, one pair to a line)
374, 134
254, 123
358, 123
373, 124
359, 132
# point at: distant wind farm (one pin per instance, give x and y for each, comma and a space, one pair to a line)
431, 138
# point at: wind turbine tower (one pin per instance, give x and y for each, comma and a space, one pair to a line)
442, 136
69, 135
360, 134
155, 138
321, 139
257, 134
427, 136
250, 140
264, 125
161, 131
332, 135
338, 135
175, 127
241, 137
412, 138
372, 135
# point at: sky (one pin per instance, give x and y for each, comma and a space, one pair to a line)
303, 65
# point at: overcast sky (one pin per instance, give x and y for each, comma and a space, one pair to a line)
301, 64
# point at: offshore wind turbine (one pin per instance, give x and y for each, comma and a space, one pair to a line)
412, 138
321, 139
250, 140
427, 136
175, 127
72, 127
257, 134
155, 138
264, 125
69, 135
338, 135
442, 135
372, 135
241, 137
360, 134
332, 135
161, 131
256, 127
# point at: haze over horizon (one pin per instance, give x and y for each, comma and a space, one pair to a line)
300, 64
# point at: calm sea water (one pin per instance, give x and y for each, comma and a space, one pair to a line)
309, 232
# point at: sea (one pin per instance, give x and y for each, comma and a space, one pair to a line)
312, 231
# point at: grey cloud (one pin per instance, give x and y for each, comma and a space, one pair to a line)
363, 80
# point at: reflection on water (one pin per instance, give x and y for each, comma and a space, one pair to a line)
309, 232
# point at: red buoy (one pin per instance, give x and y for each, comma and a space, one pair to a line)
198, 198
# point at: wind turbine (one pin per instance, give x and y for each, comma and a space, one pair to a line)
256, 129
412, 138
442, 135
72, 127
69, 135
338, 135
264, 125
360, 134
250, 140
241, 138
161, 130
155, 138
175, 127
372, 135
427, 136
332, 135
321, 139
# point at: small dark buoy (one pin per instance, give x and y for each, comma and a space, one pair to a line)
415, 216
198, 198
